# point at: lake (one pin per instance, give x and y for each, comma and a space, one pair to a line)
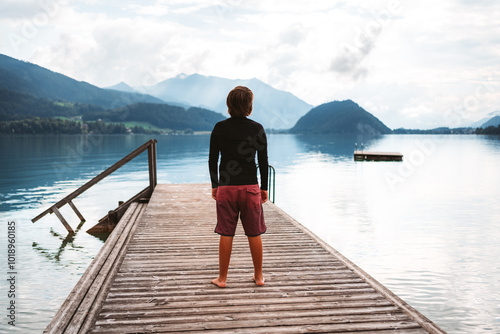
427, 227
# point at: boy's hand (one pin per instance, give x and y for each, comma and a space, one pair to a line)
264, 195
214, 193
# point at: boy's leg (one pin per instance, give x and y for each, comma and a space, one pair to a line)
257, 255
225, 249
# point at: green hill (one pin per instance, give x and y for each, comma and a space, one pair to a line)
17, 106
27, 78
340, 117
161, 115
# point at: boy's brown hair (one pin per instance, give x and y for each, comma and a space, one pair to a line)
239, 101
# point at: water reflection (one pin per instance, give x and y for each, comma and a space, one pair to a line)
424, 237
432, 237
337, 145
65, 241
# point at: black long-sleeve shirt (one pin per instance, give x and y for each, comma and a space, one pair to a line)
237, 139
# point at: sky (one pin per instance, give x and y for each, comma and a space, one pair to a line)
413, 64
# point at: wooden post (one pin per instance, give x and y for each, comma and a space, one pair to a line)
152, 165
61, 218
98, 178
112, 217
76, 211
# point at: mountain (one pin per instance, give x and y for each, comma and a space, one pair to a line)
484, 120
122, 87
495, 121
27, 78
272, 108
340, 117
161, 115
16, 106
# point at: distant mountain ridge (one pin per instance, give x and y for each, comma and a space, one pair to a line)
484, 120
272, 108
28, 90
32, 98
122, 87
494, 121
340, 117
28, 78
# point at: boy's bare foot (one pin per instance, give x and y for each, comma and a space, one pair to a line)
259, 282
219, 283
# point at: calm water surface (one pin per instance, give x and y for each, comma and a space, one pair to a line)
427, 228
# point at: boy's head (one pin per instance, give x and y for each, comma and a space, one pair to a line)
239, 101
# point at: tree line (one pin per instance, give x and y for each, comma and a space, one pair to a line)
62, 126
490, 130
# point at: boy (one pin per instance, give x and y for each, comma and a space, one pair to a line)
234, 185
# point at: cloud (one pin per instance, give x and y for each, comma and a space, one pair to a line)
155, 11
349, 60
350, 57
103, 50
416, 111
19, 9
293, 35
399, 60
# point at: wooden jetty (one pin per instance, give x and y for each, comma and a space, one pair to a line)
153, 276
377, 156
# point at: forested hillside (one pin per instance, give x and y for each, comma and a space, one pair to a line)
24, 77
340, 117
17, 106
162, 115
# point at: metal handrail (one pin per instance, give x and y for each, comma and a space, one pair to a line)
271, 182
150, 146
272, 175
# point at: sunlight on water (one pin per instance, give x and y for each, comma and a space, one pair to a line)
427, 227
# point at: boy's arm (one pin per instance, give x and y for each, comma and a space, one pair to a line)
263, 160
213, 159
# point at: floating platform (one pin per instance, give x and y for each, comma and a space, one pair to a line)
377, 156
153, 276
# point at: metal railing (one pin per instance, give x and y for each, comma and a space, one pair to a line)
272, 183
146, 193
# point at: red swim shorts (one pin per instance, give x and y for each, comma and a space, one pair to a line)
245, 201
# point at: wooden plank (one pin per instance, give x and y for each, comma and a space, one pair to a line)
377, 156
413, 313
163, 284
100, 284
71, 304
160, 282
72, 205
98, 178
95, 307
255, 309
397, 154
305, 325
63, 221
